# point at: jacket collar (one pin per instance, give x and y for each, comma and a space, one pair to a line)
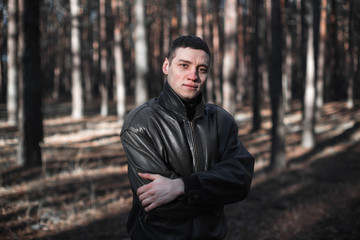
171, 101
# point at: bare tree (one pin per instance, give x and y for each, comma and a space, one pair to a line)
321, 56
308, 136
255, 71
199, 18
141, 66
30, 125
349, 59
12, 90
241, 69
184, 17
76, 79
119, 65
216, 53
287, 73
229, 62
104, 76
278, 159
208, 38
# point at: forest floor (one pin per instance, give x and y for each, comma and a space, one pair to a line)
82, 191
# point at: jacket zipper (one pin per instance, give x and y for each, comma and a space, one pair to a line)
202, 228
196, 157
197, 168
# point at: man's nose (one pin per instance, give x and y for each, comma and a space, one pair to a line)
193, 75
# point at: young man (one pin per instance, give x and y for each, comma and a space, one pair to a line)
185, 160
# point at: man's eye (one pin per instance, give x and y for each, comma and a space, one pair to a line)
184, 65
203, 70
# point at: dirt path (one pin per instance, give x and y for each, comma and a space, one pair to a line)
82, 191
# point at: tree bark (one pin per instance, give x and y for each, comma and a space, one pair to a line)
208, 38
287, 74
229, 65
199, 18
12, 76
76, 79
141, 66
31, 129
104, 76
241, 69
217, 55
255, 71
308, 136
278, 159
321, 57
348, 45
119, 65
184, 17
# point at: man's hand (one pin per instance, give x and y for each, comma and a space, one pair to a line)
160, 191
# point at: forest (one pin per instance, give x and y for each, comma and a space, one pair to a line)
287, 70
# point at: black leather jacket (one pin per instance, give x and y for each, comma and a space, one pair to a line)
205, 152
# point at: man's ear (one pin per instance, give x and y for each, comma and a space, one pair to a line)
165, 66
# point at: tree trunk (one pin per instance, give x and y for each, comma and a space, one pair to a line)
278, 159
241, 69
104, 76
184, 17
308, 136
287, 74
141, 66
265, 32
166, 30
119, 65
255, 71
12, 76
86, 56
199, 18
76, 79
2, 49
208, 38
321, 57
349, 56
31, 128
229, 62
217, 55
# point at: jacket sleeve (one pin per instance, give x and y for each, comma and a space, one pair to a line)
229, 180
142, 157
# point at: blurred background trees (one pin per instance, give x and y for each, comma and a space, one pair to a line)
263, 52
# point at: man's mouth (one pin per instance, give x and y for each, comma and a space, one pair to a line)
191, 86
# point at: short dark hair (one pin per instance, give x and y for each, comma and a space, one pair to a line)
190, 41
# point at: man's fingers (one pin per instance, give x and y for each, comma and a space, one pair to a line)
148, 176
150, 207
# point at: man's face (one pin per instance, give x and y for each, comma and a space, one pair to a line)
187, 72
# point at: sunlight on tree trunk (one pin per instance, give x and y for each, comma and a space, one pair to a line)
229, 61
184, 17
12, 104
77, 101
199, 18
308, 137
104, 76
141, 66
119, 65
